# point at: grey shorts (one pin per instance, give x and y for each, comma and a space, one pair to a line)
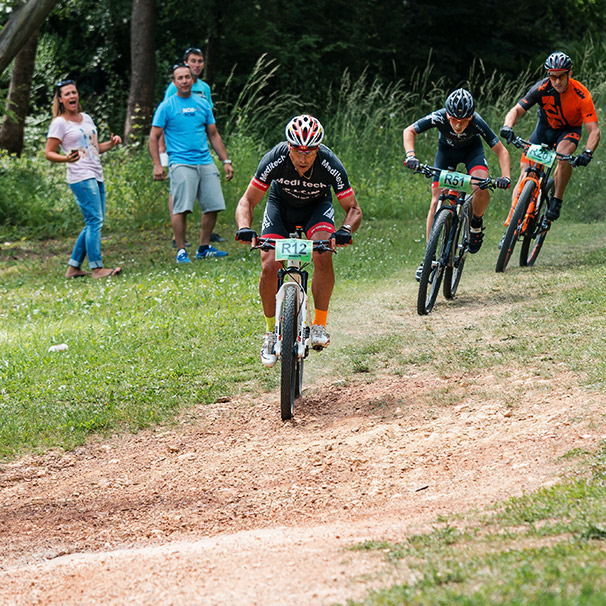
201, 182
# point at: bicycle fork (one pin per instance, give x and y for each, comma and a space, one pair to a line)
303, 331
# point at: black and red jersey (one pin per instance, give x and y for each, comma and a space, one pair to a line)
476, 128
569, 109
277, 170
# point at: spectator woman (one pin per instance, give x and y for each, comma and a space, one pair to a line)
75, 133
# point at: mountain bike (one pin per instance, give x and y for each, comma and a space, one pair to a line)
527, 220
292, 311
448, 242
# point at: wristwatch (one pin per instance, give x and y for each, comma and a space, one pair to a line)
227, 161
588, 151
346, 227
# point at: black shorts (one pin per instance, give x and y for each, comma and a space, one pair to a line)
544, 134
450, 157
280, 219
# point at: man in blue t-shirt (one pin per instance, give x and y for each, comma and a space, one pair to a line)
187, 123
195, 59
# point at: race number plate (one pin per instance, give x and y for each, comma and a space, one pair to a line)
293, 250
539, 154
456, 181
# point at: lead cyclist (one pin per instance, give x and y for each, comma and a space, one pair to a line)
299, 174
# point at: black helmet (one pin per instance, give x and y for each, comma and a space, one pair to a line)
459, 104
558, 61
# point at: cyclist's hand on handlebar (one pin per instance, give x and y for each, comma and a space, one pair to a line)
342, 237
503, 182
507, 133
412, 162
582, 159
246, 234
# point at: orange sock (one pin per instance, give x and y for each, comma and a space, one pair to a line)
320, 317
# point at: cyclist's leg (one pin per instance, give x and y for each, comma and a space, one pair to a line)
476, 165
273, 226
320, 225
445, 158
566, 144
435, 195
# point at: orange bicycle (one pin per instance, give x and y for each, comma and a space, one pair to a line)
527, 218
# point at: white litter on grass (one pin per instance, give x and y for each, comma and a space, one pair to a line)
60, 347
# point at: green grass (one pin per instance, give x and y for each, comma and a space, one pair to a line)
546, 547
162, 338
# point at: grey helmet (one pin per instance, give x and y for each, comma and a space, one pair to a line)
558, 61
459, 104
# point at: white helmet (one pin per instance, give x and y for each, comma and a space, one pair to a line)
304, 131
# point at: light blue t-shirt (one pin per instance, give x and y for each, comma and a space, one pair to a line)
184, 121
199, 87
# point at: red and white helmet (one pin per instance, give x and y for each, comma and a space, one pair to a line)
304, 131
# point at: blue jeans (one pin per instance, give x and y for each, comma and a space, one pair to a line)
90, 195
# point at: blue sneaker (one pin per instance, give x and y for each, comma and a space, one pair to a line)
210, 253
182, 256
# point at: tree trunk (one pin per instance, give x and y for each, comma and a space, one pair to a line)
17, 103
23, 22
143, 68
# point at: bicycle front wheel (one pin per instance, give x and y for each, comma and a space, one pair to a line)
433, 268
288, 357
454, 270
515, 225
537, 231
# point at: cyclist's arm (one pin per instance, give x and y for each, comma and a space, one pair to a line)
245, 209
503, 156
593, 135
513, 115
409, 138
353, 212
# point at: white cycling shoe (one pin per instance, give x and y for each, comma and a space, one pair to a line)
319, 337
268, 352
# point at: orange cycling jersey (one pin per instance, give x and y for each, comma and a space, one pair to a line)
560, 111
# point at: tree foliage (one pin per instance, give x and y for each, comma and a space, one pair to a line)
313, 43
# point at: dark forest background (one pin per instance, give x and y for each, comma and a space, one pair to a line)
312, 44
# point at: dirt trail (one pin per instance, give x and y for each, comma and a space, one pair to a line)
234, 507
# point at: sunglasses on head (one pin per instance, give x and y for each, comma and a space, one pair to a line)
192, 49
63, 83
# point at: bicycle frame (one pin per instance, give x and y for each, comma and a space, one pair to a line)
293, 276
451, 201
449, 237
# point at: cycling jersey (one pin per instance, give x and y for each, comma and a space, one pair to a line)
476, 128
560, 111
278, 172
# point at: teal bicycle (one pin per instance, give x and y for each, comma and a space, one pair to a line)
448, 242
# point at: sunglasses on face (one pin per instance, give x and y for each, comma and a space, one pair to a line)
302, 152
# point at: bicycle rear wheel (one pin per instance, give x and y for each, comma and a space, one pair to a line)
537, 231
288, 357
454, 270
513, 229
433, 270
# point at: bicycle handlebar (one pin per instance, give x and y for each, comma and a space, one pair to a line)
523, 144
270, 244
429, 171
